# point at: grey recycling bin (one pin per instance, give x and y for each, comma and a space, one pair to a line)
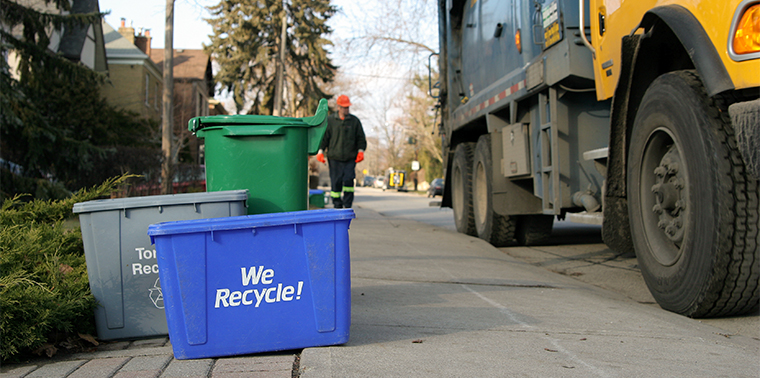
121, 262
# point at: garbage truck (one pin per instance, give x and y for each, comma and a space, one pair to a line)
641, 116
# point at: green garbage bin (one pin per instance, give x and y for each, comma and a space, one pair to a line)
265, 154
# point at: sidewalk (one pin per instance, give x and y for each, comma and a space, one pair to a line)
428, 302
150, 358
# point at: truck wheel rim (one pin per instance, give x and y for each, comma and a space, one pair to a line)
664, 196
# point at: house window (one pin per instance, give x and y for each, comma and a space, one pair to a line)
147, 90
156, 96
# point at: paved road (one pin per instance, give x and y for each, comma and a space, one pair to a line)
574, 250
423, 209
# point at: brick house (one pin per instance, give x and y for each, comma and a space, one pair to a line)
135, 81
193, 97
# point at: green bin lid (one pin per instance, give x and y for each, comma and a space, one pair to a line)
198, 123
261, 125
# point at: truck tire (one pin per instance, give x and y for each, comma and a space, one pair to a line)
461, 189
499, 230
534, 229
745, 116
693, 209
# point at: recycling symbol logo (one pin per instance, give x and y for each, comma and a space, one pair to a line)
156, 295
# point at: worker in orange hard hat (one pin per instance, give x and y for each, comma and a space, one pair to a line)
343, 144
343, 101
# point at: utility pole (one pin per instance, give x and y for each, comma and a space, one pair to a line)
168, 101
278, 89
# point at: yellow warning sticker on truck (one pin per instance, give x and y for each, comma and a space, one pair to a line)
552, 34
550, 19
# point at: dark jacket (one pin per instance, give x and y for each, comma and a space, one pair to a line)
343, 138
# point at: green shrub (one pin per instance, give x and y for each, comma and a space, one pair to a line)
44, 289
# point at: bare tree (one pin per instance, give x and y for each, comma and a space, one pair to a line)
387, 49
391, 131
400, 31
419, 118
183, 101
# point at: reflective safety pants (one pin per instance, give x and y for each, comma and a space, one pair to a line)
342, 180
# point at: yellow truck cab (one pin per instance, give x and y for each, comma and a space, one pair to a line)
684, 77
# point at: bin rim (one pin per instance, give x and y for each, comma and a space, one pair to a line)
159, 200
217, 121
249, 221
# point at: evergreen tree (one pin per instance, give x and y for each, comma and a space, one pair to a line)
246, 45
53, 120
35, 60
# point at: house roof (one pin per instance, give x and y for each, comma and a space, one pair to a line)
188, 63
74, 37
119, 47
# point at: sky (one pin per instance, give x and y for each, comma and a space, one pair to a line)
190, 31
378, 81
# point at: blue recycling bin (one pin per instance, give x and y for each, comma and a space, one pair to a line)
256, 283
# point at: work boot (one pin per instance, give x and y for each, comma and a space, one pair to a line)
348, 199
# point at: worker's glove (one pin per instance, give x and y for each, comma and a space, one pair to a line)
360, 156
321, 157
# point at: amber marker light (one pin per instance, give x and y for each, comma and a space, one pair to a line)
518, 43
747, 34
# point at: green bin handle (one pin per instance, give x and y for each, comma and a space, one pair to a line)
253, 130
318, 125
320, 116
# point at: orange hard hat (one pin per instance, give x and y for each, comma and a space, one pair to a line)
343, 101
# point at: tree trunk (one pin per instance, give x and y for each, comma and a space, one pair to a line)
278, 89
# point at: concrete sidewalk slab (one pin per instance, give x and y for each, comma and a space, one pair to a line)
430, 302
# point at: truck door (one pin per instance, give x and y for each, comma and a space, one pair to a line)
471, 47
500, 23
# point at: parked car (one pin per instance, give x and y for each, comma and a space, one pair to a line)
379, 182
368, 181
436, 188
